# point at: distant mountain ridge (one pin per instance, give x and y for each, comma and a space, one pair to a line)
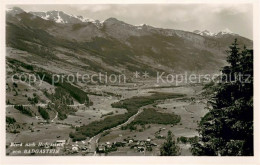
61, 17
116, 46
218, 34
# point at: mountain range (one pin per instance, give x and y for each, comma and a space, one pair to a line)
219, 34
61, 42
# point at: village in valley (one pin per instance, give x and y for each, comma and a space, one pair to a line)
123, 139
81, 87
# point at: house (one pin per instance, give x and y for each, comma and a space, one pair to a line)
140, 149
75, 149
108, 144
101, 148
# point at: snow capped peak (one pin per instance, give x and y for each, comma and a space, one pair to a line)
226, 31
204, 33
140, 26
143, 24
83, 19
61, 17
208, 33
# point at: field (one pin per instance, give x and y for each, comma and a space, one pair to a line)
137, 111
132, 105
190, 113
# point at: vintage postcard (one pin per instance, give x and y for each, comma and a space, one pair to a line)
129, 82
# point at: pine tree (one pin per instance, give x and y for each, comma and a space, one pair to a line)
233, 55
169, 148
228, 127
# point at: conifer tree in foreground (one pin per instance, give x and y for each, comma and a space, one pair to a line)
227, 129
169, 148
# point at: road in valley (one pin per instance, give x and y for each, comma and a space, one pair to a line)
93, 142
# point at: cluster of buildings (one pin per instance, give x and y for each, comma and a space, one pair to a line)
138, 145
78, 147
107, 147
142, 145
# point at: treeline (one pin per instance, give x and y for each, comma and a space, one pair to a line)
60, 94
24, 110
16, 62
132, 105
78, 94
45, 115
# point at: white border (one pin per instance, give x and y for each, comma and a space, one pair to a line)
255, 160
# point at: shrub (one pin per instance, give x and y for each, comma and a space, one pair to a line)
10, 120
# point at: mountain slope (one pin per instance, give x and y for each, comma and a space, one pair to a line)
115, 46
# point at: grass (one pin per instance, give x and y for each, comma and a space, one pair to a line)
74, 91
132, 105
151, 116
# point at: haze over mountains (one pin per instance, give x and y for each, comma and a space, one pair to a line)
113, 45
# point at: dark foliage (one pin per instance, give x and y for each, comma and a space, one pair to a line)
169, 148
24, 110
228, 128
43, 113
151, 116
132, 105
10, 120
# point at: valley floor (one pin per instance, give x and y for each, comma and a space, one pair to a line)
190, 108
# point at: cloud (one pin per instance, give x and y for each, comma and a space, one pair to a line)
92, 8
231, 9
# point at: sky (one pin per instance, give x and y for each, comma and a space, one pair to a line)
189, 17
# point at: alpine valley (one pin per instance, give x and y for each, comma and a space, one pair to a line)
141, 116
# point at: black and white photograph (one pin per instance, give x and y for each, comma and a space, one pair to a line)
138, 80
